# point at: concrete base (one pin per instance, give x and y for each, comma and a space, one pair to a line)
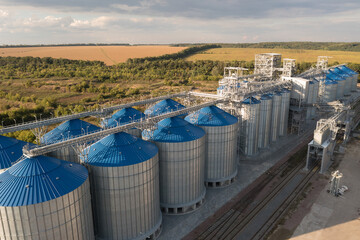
220, 184
182, 210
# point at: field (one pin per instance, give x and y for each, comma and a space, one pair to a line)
248, 54
108, 54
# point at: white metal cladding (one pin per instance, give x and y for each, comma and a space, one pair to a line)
264, 122
315, 97
284, 113
182, 172
275, 118
340, 89
66, 217
66, 153
126, 200
220, 152
250, 128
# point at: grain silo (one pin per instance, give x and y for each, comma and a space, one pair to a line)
354, 76
275, 116
250, 111
284, 112
265, 120
221, 144
340, 85
315, 96
124, 172
64, 131
164, 106
346, 78
45, 198
309, 99
182, 164
327, 90
10, 151
122, 117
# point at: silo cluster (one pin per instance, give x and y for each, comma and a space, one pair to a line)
352, 75
328, 89
221, 144
182, 164
122, 117
10, 151
45, 198
125, 187
64, 131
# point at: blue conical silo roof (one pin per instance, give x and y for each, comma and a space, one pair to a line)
124, 116
348, 70
175, 129
251, 100
164, 106
266, 96
340, 72
68, 130
120, 149
10, 150
333, 76
211, 116
330, 82
39, 179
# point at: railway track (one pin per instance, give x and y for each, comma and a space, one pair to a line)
239, 222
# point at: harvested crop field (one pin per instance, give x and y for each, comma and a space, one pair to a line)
248, 54
108, 54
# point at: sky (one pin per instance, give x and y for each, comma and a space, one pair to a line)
177, 21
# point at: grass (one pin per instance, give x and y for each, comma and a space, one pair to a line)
248, 54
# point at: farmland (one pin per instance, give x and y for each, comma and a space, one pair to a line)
247, 54
108, 54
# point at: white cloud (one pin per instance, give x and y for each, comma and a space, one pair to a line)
3, 13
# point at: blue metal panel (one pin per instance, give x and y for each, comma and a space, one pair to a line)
211, 116
122, 117
348, 70
68, 130
120, 149
251, 100
340, 72
10, 151
164, 106
175, 129
333, 76
39, 179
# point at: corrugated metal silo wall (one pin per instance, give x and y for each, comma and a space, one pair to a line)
221, 147
250, 128
354, 82
126, 200
310, 100
284, 113
275, 118
66, 153
340, 89
264, 123
347, 87
182, 173
66, 217
315, 97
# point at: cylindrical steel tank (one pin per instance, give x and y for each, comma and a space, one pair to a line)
10, 151
340, 86
64, 131
310, 99
346, 78
250, 112
124, 172
164, 106
122, 117
45, 198
275, 116
315, 97
327, 92
354, 76
221, 144
182, 164
265, 120
284, 113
